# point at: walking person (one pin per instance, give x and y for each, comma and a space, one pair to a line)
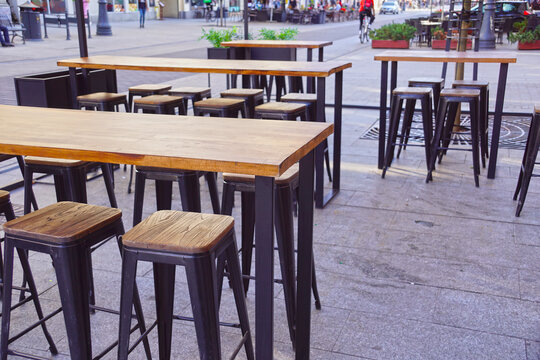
142, 11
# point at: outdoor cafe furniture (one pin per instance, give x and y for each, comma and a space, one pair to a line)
529, 160
410, 95
66, 231
224, 107
265, 149
102, 101
450, 101
318, 70
146, 90
395, 56
192, 93
161, 104
436, 84
251, 98
194, 241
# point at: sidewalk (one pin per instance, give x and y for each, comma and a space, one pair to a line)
405, 269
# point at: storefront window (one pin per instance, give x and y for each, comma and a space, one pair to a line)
133, 5
119, 6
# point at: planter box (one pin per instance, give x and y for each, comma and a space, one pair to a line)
54, 89
529, 46
281, 54
225, 53
390, 44
441, 44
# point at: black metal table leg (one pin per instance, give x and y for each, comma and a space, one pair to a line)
73, 84
310, 81
393, 76
319, 152
382, 112
264, 267
497, 120
305, 257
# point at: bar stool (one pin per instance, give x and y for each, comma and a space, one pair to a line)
529, 160
251, 98
449, 102
436, 84
411, 95
195, 241
102, 101
192, 93
188, 182
66, 231
310, 100
69, 178
223, 107
281, 111
483, 86
285, 185
146, 90
161, 104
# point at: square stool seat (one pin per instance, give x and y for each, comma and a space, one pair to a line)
470, 83
62, 223
37, 160
305, 97
219, 103
427, 80
191, 90
285, 178
279, 107
179, 232
420, 91
242, 92
99, 97
149, 89
466, 93
4, 196
159, 100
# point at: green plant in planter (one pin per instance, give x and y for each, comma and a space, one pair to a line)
438, 33
283, 34
522, 35
393, 32
216, 37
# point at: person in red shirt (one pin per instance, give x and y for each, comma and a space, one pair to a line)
366, 9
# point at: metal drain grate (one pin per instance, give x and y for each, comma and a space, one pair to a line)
514, 131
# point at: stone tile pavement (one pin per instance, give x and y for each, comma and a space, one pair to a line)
406, 270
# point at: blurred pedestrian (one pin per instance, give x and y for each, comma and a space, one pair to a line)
4, 37
142, 12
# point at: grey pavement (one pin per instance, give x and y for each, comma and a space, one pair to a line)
406, 270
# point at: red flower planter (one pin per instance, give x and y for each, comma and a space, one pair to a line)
441, 44
529, 46
390, 44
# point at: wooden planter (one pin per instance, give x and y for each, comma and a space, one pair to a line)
390, 44
441, 44
529, 46
53, 89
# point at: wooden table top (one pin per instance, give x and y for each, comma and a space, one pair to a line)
239, 67
450, 56
277, 44
244, 146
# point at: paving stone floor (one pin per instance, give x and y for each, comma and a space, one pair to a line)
406, 270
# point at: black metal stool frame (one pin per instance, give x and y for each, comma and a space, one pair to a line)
132, 93
188, 183
71, 263
395, 114
448, 107
200, 271
528, 162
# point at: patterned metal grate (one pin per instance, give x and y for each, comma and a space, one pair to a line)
514, 131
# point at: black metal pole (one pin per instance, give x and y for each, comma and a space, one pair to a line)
246, 19
81, 29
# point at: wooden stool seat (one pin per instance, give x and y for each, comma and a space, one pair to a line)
420, 91
280, 107
159, 100
469, 83
239, 92
100, 97
537, 108
62, 222
219, 103
37, 160
465, 93
103, 101
149, 89
427, 80
285, 178
179, 232
189, 91
4, 196
299, 97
